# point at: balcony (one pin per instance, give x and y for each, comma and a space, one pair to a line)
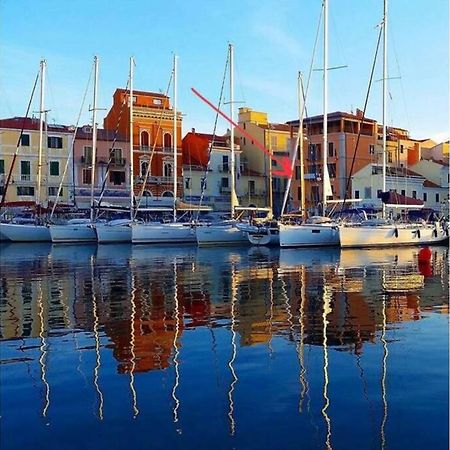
118, 162
224, 168
225, 189
156, 180
86, 159
25, 177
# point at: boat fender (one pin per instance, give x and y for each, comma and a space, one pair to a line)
396, 232
418, 233
435, 233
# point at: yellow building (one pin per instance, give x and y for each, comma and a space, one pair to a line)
277, 138
22, 190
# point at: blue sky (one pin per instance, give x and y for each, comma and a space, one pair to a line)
273, 40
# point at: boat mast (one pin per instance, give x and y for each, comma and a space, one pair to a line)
300, 134
325, 103
41, 137
131, 140
384, 99
233, 159
94, 136
174, 140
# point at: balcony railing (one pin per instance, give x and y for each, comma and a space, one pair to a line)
118, 161
25, 177
225, 168
156, 180
225, 189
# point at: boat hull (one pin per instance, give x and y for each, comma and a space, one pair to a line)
391, 235
309, 235
264, 238
117, 233
25, 232
67, 234
220, 235
163, 233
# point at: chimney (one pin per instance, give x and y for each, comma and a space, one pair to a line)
193, 130
359, 113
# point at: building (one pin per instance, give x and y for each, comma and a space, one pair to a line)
112, 148
153, 132
343, 130
210, 171
57, 143
437, 152
277, 138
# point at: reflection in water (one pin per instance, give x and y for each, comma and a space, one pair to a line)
135, 305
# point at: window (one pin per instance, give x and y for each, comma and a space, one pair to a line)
25, 140
53, 191
330, 149
144, 168
401, 148
251, 187
145, 139
356, 194
86, 176
297, 172
167, 169
314, 151
225, 166
371, 149
379, 192
389, 157
414, 194
244, 141
54, 142
116, 177
167, 140
224, 182
25, 190
187, 183
425, 197
115, 155
273, 142
437, 198
403, 192
2, 166
157, 101
87, 155
25, 171
54, 168
203, 183
299, 193
367, 192
332, 170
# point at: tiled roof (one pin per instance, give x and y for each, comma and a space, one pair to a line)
331, 116
28, 123
102, 135
430, 184
277, 126
152, 94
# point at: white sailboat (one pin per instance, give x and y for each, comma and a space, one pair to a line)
317, 230
35, 231
173, 232
378, 233
119, 230
226, 232
82, 230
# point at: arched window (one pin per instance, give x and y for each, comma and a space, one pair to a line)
144, 168
167, 140
145, 140
167, 194
148, 194
168, 172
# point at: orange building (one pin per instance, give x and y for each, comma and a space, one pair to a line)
153, 132
343, 129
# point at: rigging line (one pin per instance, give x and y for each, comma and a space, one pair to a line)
176, 363
43, 348
71, 150
132, 346
112, 153
149, 167
203, 185
50, 92
372, 71
19, 140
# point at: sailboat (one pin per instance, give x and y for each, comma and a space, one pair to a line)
82, 230
317, 230
383, 232
119, 230
173, 232
225, 232
36, 231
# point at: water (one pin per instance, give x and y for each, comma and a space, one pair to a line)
175, 348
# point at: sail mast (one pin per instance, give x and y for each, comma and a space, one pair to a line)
325, 104
384, 98
233, 163
174, 140
131, 140
41, 137
94, 136
300, 135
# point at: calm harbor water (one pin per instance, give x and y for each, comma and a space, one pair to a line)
175, 348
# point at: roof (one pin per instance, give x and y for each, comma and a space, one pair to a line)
32, 124
394, 198
276, 126
430, 184
102, 135
331, 116
148, 93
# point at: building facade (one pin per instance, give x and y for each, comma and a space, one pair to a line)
153, 133
56, 148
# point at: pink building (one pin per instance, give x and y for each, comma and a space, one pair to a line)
112, 148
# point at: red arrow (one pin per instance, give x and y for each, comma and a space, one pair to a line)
283, 161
